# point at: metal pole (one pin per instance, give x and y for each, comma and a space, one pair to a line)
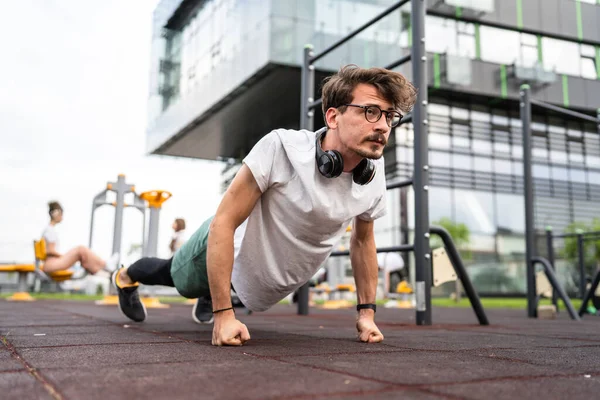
581, 262
92, 226
461, 272
565, 111
525, 105
421, 167
152, 244
120, 188
306, 97
550, 246
556, 285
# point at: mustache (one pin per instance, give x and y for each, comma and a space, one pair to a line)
376, 137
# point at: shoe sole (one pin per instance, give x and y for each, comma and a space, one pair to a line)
210, 321
113, 280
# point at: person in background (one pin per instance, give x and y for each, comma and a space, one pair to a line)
392, 266
57, 261
178, 238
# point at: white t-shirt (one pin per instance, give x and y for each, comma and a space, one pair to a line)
299, 218
179, 238
51, 236
390, 262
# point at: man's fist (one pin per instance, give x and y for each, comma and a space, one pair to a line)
367, 330
228, 331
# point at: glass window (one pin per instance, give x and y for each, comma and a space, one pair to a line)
503, 167
475, 209
483, 164
517, 151
460, 113
540, 171
594, 177
482, 146
499, 45
529, 50
558, 156
539, 153
588, 68
592, 161
438, 109
575, 154
439, 141
560, 173
439, 159
480, 116
561, 56
441, 35
460, 141
440, 203
510, 212
587, 50
577, 175
501, 147
461, 161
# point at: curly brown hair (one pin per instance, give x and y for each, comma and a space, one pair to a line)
393, 87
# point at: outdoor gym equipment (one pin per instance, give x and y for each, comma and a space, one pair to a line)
526, 103
152, 200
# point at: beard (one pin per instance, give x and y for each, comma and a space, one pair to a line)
375, 144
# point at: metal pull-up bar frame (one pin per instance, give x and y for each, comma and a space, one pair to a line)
525, 111
420, 178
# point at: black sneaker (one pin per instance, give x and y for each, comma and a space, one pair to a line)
129, 301
202, 312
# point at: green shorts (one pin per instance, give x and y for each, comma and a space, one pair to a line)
188, 268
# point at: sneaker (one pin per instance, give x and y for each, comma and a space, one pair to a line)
129, 300
112, 263
202, 312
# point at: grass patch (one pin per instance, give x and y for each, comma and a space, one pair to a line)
498, 302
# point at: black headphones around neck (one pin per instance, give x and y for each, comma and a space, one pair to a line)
331, 164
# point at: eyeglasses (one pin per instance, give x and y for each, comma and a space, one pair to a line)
374, 113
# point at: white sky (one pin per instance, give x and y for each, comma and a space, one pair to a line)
73, 89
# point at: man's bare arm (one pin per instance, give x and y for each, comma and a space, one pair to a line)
236, 205
363, 254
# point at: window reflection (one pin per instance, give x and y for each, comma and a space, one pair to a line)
440, 200
511, 212
540, 171
577, 175
475, 209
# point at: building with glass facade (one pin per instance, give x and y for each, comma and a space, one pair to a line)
226, 72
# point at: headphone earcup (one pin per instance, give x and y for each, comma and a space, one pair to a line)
364, 172
330, 164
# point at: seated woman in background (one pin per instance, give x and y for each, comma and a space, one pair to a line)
178, 237
55, 261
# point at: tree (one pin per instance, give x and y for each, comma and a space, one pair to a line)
460, 235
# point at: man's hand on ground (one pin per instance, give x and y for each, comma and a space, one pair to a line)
367, 330
228, 331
